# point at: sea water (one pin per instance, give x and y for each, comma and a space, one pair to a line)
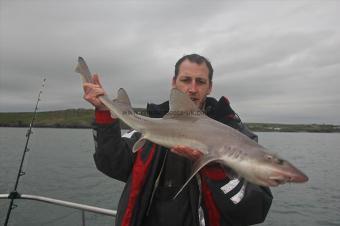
60, 165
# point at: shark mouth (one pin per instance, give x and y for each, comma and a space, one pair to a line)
276, 180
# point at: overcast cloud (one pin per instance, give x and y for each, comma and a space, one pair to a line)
276, 61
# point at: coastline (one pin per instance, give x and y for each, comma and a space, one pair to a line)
83, 118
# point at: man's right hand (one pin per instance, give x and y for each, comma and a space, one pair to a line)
92, 92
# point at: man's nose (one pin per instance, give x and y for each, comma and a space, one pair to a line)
193, 87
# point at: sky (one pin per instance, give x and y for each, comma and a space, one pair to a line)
276, 61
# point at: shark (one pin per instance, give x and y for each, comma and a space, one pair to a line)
186, 125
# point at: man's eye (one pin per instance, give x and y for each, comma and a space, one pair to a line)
200, 81
186, 80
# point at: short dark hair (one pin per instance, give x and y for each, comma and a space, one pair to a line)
195, 58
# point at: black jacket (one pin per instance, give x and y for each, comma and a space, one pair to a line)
147, 196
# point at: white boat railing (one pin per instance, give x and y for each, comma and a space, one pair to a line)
84, 208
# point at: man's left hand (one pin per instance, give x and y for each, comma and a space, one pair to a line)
187, 152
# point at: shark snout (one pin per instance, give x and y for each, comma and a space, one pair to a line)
298, 178
290, 176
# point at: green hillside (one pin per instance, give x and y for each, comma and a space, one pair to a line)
72, 118
83, 118
272, 127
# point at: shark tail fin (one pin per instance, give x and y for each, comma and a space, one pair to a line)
83, 69
198, 165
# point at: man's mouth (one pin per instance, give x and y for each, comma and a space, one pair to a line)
194, 99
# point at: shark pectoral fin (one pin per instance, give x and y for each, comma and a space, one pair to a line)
198, 165
139, 144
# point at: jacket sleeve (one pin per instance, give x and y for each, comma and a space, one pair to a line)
247, 203
240, 202
113, 154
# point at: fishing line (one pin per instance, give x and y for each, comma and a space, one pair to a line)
14, 194
26, 183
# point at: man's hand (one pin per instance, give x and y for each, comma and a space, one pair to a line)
92, 92
187, 152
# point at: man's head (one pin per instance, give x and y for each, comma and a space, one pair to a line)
193, 76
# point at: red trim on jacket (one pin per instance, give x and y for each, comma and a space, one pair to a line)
103, 117
230, 116
214, 172
214, 216
226, 100
139, 172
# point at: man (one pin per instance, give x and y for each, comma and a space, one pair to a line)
154, 174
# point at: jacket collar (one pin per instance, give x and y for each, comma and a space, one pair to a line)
217, 110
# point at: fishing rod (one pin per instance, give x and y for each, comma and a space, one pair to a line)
14, 194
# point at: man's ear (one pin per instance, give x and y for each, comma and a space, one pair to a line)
210, 87
173, 83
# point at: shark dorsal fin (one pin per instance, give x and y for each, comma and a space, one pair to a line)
122, 102
180, 101
122, 97
181, 105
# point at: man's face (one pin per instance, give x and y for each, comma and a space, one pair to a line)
193, 79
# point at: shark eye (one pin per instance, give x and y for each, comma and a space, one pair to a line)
268, 157
274, 159
279, 161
